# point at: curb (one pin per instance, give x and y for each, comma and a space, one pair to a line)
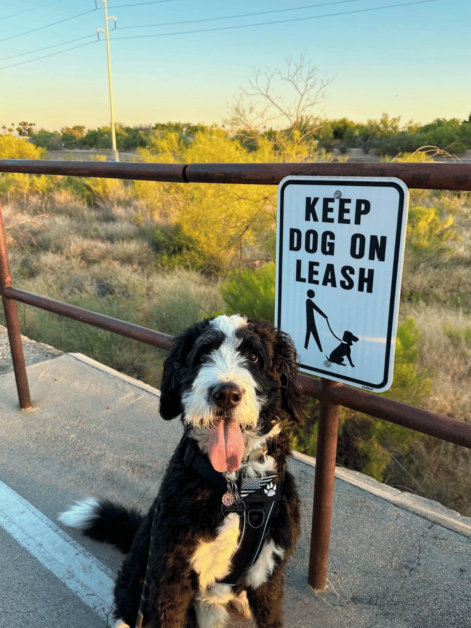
109, 371
420, 506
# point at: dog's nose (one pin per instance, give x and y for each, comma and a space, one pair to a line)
226, 395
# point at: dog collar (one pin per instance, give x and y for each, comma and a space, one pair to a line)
194, 460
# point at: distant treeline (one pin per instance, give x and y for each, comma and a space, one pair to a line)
386, 136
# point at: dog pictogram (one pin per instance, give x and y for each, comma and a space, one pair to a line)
343, 350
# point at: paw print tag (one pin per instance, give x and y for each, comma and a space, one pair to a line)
270, 489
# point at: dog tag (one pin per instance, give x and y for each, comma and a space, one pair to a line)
237, 507
228, 499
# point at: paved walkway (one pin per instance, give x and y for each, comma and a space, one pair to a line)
396, 560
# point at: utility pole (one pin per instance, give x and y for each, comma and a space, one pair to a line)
115, 154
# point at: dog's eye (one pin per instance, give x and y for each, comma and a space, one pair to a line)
252, 357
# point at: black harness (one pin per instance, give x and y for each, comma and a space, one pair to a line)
254, 501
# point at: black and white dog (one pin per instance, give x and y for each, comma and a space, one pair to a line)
232, 380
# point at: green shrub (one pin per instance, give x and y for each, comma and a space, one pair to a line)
251, 292
50, 140
429, 237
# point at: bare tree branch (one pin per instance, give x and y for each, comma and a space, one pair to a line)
310, 90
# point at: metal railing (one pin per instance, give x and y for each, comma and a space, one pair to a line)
331, 395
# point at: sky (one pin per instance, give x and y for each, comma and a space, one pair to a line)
410, 61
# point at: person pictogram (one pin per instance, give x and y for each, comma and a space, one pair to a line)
311, 328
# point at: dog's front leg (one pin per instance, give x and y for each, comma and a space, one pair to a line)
173, 605
172, 589
266, 601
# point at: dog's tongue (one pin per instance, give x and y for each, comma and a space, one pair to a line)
225, 446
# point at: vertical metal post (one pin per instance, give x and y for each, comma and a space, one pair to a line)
323, 488
13, 326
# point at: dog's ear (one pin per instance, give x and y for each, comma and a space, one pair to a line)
292, 398
170, 399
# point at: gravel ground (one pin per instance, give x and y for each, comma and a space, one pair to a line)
34, 351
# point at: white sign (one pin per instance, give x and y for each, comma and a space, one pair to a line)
340, 246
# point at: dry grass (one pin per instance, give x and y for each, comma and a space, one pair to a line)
446, 357
100, 258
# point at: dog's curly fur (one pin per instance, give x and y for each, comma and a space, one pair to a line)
193, 541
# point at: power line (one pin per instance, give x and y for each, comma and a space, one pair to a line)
222, 28
71, 41
116, 6
47, 25
22, 54
296, 19
30, 52
231, 17
46, 56
29, 10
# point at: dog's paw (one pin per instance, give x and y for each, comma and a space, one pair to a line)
241, 605
270, 489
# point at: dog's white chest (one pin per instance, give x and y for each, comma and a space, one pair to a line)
212, 561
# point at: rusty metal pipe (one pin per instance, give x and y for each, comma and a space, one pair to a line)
13, 325
425, 176
429, 175
130, 330
142, 171
323, 487
430, 423
423, 421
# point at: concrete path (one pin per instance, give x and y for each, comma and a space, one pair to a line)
396, 560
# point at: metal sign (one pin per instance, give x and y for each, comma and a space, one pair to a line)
340, 244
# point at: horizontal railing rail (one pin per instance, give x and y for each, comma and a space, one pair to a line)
331, 395
115, 325
427, 176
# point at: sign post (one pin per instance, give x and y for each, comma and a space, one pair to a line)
340, 246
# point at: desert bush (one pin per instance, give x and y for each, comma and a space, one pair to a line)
213, 223
251, 292
15, 148
429, 237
